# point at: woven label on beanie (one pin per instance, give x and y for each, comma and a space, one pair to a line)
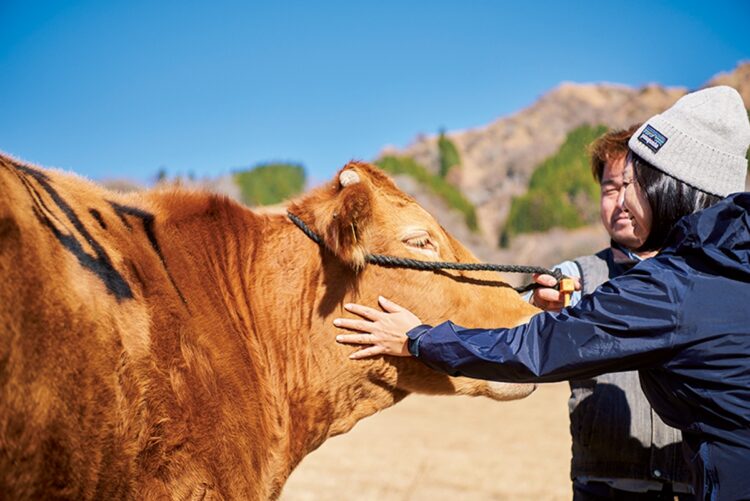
652, 138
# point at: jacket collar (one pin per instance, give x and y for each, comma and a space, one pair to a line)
720, 234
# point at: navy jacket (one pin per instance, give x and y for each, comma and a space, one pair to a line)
682, 319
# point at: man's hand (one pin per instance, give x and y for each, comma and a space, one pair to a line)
548, 298
384, 331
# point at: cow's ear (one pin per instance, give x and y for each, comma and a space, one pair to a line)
342, 215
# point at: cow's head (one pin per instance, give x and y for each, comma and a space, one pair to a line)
362, 211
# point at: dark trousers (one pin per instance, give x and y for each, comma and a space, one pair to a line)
600, 491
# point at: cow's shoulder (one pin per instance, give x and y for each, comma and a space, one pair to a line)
197, 218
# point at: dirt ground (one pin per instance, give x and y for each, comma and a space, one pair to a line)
446, 448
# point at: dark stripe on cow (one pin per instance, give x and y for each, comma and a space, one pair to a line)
148, 227
100, 264
98, 216
38, 199
121, 215
101, 267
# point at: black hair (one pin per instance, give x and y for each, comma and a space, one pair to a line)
670, 200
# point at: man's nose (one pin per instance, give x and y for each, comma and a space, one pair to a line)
621, 198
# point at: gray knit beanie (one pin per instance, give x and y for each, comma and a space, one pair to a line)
701, 140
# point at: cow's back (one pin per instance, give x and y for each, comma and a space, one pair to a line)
67, 386
123, 369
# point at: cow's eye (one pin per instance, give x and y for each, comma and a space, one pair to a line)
420, 240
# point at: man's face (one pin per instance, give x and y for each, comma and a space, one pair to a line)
616, 221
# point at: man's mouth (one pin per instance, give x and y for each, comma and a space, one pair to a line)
622, 220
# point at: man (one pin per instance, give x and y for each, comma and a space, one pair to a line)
621, 448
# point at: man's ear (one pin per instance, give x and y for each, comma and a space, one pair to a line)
341, 214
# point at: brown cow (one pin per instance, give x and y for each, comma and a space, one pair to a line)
177, 345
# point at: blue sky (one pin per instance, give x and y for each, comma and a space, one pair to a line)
122, 88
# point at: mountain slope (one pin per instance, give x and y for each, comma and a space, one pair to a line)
498, 159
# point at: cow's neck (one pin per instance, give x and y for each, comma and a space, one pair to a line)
270, 292
324, 394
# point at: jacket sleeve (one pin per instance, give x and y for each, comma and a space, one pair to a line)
626, 324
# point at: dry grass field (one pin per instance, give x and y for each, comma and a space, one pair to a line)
446, 448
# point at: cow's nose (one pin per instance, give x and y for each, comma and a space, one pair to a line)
509, 391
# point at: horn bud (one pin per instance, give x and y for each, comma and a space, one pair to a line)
348, 177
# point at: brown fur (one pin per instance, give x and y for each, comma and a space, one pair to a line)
192, 356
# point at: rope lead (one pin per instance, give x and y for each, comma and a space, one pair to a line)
416, 264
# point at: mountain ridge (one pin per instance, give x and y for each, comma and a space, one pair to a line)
498, 158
